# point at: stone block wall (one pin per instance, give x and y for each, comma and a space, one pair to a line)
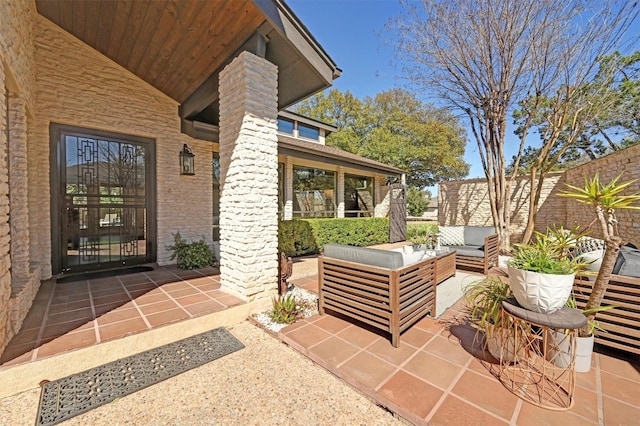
17, 97
467, 202
625, 162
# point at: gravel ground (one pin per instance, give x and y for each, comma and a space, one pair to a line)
266, 383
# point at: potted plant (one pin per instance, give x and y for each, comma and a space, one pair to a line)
605, 200
541, 274
584, 344
484, 299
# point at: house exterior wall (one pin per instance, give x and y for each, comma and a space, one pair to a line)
467, 202
18, 281
78, 86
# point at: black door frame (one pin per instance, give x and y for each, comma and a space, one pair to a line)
57, 134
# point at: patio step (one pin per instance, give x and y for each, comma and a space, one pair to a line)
22, 377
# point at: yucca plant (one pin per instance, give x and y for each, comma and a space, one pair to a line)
605, 199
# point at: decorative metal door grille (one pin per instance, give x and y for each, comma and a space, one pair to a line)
103, 184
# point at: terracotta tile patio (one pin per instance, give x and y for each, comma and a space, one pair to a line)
431, 378
74, 315
440, 376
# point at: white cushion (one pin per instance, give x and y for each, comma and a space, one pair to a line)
451, 235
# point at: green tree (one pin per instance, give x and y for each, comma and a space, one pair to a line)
396, 128
417, 201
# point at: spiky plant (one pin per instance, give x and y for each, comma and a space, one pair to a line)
605, 199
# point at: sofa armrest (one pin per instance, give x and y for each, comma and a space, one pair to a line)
491, 249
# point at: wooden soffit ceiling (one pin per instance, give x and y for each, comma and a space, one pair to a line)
179, 45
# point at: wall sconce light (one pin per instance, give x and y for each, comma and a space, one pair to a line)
187, 163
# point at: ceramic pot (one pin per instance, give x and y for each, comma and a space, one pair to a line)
560, 354
502, 343
545, 293
584, 350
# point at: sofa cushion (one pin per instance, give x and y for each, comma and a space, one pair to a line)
474, 235
367, 256
628, 262
451, 235
467, 250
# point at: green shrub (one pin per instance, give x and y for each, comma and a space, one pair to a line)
308, 236
353, 231
295, 238
420, 233
192, 255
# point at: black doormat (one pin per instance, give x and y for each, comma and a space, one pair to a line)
76, 394
103, 274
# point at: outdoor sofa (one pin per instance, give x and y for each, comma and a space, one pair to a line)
476, 247
376, 287
620, 325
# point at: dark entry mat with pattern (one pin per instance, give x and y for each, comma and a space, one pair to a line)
67, 397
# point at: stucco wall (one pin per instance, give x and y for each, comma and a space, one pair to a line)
467, 202
78, 86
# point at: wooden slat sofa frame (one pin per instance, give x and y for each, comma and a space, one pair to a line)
621, 324
389, 299
484, 263
476, 247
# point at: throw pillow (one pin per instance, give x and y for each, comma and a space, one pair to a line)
451, 235
588, 244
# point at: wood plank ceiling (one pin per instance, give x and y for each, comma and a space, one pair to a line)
174, 45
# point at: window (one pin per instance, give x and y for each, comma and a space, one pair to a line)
358, 196
308, 132
313, 192
285, 126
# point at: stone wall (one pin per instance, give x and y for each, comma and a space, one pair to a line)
467, 202
17, 76
626, 162
78, 86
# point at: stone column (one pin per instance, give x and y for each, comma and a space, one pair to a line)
340, 192
288, 189
249, 178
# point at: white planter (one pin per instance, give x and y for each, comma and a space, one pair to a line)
502, 344
584, 350
545, 293
561, 353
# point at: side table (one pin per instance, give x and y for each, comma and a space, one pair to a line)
537, 361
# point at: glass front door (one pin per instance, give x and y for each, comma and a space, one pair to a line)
105, 198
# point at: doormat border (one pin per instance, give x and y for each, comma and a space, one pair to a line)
78, 393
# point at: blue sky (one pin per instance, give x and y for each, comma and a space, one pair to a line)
353, 34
